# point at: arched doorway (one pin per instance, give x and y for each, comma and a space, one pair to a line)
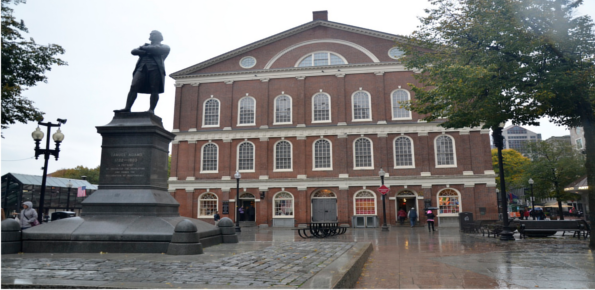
247, 202
406, 199
324, 206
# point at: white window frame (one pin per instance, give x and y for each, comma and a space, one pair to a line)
375, 203
275, 156
353, 107
438, 203
322, 51
371, 153
314, 155
579, 140
247, 67
200, 205
239, 111
253, 157
330, 117
204, 110
202, 157
292, 206
275, 110
395, 153
454, 152
392, 105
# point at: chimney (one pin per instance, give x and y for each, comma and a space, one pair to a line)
320, 15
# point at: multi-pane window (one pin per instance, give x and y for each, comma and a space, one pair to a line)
448, 202
365, 203
322, 154
361, 106
579, 143
321, 58
283, 109
207, 205
246, 156
399, 98
283, 155
363, 153
445, 154
517, 130
209, 157
321, 104
403, 152
247, 108
211, 115
283, 204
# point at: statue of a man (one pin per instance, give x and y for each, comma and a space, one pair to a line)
149, 74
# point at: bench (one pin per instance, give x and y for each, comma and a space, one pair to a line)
321, 230
548, 228
471, 227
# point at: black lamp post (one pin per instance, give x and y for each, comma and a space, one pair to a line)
384, 226
37, 137
238, 176
532, 198
69, 184
498, 202
506, 234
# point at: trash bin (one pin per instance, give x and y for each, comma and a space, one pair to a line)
465, 218
62, 215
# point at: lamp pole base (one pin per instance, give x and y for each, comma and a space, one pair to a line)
384, 228
506, 234
238, 229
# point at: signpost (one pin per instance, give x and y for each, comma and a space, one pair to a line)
383, 189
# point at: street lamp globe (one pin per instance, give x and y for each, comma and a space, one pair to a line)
58, 136
37, 134
381, 172
531, 181
69, 184
237, 175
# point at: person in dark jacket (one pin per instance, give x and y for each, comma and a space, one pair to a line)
217, 217
251, 213
412, 216
431, 217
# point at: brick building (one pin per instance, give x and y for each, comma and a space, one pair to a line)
308, 117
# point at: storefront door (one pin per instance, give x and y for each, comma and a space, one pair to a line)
324, 210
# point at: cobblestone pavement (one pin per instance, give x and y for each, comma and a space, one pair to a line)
287, 264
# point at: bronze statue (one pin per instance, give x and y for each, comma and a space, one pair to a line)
149, 74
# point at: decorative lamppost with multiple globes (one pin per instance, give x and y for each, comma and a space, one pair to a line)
37, 137
384, 226
506, 234
69, 185
238, 176
532, 198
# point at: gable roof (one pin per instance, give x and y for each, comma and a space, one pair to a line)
286, 34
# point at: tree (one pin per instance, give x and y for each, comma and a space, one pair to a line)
514, 163
92, 174
555, 164
24, 63
485, 62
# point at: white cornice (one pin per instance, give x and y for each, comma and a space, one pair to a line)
302, 133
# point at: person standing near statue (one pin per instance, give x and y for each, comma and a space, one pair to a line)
149, 74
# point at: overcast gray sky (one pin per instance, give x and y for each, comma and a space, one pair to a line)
98, 36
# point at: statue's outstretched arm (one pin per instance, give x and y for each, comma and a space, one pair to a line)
159, 49
138, 51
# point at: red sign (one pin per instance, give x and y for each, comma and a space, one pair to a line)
383, 189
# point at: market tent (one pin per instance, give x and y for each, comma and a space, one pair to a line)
554, 204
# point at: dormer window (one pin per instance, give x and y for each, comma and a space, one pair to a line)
321, 58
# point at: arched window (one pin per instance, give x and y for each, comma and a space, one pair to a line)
283, 205
211, 113
321, 58
361, 106
362, 151
321, 108
246, 156
365, 203
324, 193
322, 154
209, 158
207, 205
449, 202
404, 153
283, 156
398, 98
445, 151
247, 111
283, 110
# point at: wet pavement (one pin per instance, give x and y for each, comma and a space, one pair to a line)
404, 257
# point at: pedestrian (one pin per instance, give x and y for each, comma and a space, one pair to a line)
251, 213
430, 216
412, 216
241, 210
527, 213
28, 216
217, 218
402, 214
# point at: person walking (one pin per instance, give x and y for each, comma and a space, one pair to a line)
28, 216
217, 217
402, 214
412, 216
430, 216
241, 210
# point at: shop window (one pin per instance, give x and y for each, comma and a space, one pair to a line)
207, 205
449, 202
365, 203
283, 205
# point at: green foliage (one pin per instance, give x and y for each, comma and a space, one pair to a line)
554, 163
514, 163
24, 63
92, 174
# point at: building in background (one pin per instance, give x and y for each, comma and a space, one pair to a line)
565, 139
516, 137
309, 116
577, 138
